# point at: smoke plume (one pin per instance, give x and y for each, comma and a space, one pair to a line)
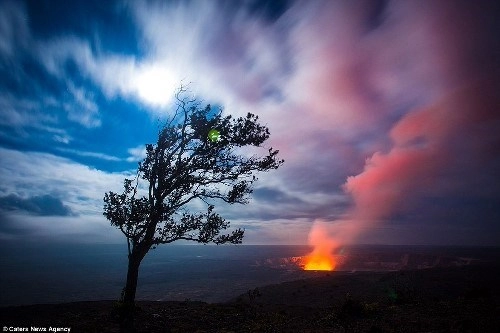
446, 146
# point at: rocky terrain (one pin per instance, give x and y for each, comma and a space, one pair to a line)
441, 299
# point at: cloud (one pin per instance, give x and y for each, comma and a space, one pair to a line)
31, 174
44, 205
89, 229
13, 29
30, 99
148, 82
82, 109
277, 231
265, 194
136, 154
100, 156
36, 186
23, 112
221, 45
62, 138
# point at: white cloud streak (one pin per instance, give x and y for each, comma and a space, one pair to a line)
97, 155
14, 32
82, 188
137, 153
83, 109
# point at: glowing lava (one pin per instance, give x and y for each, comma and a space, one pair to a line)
319, 262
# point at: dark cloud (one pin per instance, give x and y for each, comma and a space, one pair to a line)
45, 205
376, 13
458, 210
270, 204
271, 195
108, 24
271, 10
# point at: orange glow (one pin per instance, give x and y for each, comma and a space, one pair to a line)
319, 262
321, 258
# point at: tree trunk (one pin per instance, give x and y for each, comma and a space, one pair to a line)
128, 309
134, 262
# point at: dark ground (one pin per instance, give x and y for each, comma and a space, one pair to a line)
460, 299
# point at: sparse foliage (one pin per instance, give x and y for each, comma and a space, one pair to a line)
182, 167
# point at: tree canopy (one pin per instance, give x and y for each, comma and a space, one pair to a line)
184, 165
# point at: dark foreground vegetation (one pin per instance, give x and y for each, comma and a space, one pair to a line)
461, 299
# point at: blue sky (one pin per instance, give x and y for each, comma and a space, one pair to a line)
367, 102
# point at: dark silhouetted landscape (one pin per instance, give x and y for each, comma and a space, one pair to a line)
262, 289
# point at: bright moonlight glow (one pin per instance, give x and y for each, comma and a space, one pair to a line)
156, 85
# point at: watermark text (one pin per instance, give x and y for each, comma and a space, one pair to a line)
36, 329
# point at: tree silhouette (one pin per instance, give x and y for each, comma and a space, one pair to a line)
183, 166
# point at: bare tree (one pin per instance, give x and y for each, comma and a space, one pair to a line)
185, 165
